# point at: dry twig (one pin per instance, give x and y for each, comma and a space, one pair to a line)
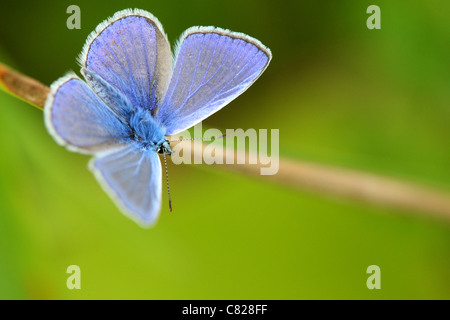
365, 187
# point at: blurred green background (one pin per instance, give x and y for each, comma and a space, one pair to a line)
342, 95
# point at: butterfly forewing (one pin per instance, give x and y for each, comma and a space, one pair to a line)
78, 119
131, 52
213, 66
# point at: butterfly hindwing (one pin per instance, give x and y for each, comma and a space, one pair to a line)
213, 66
132, 177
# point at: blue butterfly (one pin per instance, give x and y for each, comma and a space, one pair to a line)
135, 94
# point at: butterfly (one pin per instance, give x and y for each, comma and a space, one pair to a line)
135, 93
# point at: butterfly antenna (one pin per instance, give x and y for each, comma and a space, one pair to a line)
167, 182
209, 138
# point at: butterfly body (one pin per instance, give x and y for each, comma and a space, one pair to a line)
134, 94
147, 133
138, 120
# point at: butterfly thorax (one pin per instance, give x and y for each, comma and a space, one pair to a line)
146, 132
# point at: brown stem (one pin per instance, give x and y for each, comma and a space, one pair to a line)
23, 87
346, 183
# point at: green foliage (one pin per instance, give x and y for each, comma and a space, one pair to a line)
341, 94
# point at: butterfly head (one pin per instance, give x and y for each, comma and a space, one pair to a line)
164, 148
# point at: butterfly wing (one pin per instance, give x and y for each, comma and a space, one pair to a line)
132, 177
116, 101
130, 51
213, 66
77, 118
